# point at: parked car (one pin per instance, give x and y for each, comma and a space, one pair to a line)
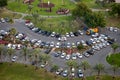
80, 73
63, 55
79, 55
86, 54
59, 71
73, 56
14, 58
65, 73
68, 56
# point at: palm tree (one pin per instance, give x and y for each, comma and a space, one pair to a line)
35, 15
114, 68
54, 68
25, 51
71, 63
85, 65
45, 58
10, 52
99, 68
114, 47
36, 53
12, 34
1, 51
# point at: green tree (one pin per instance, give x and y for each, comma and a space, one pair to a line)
71, 63
80, 47
44, 58
115, 9
80, 10
54, 68
92, 19
35, 16
12, 34
99, 68
25, 51
114, 68
10, 51
36, 54
3, 3
114, 47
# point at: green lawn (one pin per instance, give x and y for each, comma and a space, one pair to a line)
20, 7
20, 72
5, 13
114, 59
56, 24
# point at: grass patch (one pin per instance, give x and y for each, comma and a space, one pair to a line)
58, 24
6, 13
20, 72
20, 7
114, 59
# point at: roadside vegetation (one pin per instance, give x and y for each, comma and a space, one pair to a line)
19, 72
114, 59
5, 13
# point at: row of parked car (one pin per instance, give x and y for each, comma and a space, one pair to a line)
52, 34
113, 29
73, 55
3, 20
72, 72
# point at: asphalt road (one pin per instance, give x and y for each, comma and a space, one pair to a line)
99, 57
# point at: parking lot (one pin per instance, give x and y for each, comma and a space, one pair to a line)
102, 48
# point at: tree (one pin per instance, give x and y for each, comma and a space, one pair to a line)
25, 51
92, 19
35, 15
71, 63
10, 51
114, 47
1, 51
80, 47
44, 58
54, 68
99, 68
85, 65
12, 34
3, 3
114, 68
80, 10
36, 53
115, 9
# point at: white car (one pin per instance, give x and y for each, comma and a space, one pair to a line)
72, 69
53, 34
67, 35
59, 71
80, 73
19, 46
58, 45
2, 20
29, 24
13, 46
86, 54
65, 73
14, 58
68, 56
68, 45
63, 55
79, 55
74, 56
52, 44
9, 45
